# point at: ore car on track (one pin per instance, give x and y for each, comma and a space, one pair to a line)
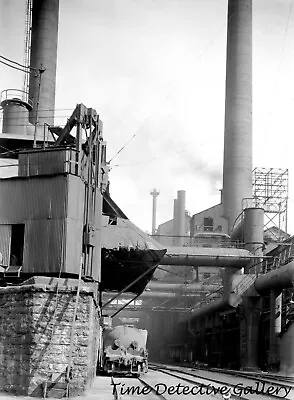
124, 350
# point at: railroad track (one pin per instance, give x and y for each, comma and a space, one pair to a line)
219, 388
264, 376
193, 390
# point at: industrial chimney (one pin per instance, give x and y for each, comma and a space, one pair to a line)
154, 195
179, 229
237, 166
20, 107
43, 56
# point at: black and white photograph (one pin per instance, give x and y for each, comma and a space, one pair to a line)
146, 199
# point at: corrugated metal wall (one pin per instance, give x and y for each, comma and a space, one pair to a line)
40, 204
33, 198
52, 210
47, 162
5, 240
74, 223
97, 249
76, 196
43, 246
73, 247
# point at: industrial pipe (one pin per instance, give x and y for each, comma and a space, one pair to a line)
253, 235
180, 287
153, 294
237, 232
232, 300
277, 280
222, 257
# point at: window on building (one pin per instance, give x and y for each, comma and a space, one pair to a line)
208, 224
17, 243
219, 228
206, 275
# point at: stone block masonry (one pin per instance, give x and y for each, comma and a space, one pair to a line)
35, 331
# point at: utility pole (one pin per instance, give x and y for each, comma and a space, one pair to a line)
154, 194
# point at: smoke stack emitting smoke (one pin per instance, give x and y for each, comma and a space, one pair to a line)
237, 163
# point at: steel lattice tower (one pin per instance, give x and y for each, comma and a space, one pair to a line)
270, 192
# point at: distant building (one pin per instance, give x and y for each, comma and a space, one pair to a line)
209, 220
165, 232
274, 234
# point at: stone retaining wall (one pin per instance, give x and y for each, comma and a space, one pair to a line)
35, 329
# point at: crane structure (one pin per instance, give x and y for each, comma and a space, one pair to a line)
90, 164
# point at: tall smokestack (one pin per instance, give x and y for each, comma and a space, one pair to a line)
175, 223
237, 167
179, 229
43, 55
181, 216
154, 194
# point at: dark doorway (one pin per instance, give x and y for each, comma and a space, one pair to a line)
17, 243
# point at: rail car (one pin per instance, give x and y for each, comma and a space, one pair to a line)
123, 351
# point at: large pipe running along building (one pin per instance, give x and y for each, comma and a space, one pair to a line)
43, 55
237, 165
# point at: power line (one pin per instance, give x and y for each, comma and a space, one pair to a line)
28, 124
47, 109
20, 65
11, 66
137, 163
123, 147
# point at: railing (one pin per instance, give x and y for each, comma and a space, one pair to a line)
247, 202
10, 94
272, 263
283, 258
213, 242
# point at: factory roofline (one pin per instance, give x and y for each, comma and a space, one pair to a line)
206, 209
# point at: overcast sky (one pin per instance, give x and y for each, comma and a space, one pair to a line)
156, 68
